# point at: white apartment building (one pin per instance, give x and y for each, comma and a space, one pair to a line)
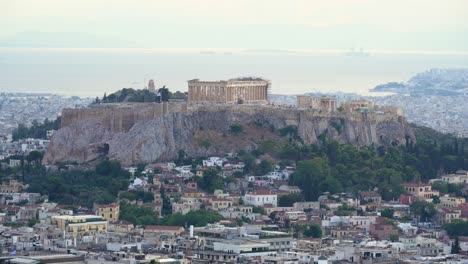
261, 198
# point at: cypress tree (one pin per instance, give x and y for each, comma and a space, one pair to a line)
456, 247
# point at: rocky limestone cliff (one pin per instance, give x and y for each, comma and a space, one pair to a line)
206, 131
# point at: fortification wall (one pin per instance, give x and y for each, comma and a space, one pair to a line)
143, 133
121, 117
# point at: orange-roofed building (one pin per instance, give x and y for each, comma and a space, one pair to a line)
421, 190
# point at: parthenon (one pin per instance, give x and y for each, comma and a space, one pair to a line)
245, 90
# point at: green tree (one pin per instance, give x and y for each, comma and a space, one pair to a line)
456, 247
211, 180
440, 186
394, 238
249, 162
310, 175
457, 228
150, 179
258, 210
32, 222
196, 218
180, 157
265, 166
423, 209
81, 187
34, 156
167, 205
36, 130
388, 213
289, 200
236, 129
313, 231
138, 215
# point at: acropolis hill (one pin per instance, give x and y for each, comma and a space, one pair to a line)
146, 132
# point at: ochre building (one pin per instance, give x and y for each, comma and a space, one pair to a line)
109, 212
79, 225
240, 90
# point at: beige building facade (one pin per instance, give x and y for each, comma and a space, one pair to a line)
323, 103
421, 190
240, 90
447, 201
457, 178
76, 225
109, 212
358, 106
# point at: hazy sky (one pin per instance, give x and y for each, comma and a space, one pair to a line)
242, 24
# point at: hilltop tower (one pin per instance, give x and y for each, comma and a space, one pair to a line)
151, 86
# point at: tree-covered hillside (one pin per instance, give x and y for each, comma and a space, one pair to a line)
81, 187
141, 96
324, 167
333, 167
36, 130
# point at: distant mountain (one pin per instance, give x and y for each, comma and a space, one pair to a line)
445, 82
35, 39
396, 87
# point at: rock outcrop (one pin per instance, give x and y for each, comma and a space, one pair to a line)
205, 130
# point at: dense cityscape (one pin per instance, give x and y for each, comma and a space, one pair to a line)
233, 132
268, 205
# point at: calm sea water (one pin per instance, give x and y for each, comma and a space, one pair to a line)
91, 72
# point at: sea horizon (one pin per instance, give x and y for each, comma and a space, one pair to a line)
91, 72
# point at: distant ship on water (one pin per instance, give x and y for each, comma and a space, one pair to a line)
207, 52
357, 53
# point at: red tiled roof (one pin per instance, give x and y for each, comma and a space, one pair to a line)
413, 184
220, 200
280, 192
113, 205
262, 192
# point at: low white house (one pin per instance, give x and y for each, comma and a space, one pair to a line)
261, 198
184, 169
213, 162
275, 175
408, 229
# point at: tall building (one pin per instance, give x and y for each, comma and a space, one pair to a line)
239, 90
